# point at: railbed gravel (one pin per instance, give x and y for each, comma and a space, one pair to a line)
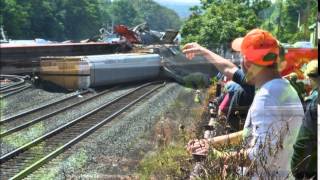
20, 138
59, 106
117, 147
28, 99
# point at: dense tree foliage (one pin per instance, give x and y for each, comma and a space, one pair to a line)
14, 16
129, 18
292, 23
221, 21
79, 19
217, 22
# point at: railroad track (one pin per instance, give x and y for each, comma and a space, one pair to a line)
13, 79
12, 91
28, 158
25, 119
17, 84
6, 119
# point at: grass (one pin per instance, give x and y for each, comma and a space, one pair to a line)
20, 138
3, 104
170, 163
171, 160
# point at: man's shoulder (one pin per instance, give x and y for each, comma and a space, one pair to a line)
279, 90
278, 100
276, 84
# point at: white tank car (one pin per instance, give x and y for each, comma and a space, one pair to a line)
82, 72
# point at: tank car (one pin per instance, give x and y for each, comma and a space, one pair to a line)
82, 72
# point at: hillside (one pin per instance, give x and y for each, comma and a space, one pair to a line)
180, 6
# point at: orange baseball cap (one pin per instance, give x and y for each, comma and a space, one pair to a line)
258, 47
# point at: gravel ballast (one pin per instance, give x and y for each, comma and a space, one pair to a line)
28, 99
20, 138
115, 150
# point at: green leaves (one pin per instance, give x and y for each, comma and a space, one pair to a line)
124, 13
61, 20
293, 13
14, 17
221, 22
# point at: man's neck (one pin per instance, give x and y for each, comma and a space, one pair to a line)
266, 76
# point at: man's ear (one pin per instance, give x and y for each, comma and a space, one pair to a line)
247, 64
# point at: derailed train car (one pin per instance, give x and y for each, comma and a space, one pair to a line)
81, 72
151, 57
92, 71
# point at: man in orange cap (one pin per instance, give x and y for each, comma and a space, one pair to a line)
274, 117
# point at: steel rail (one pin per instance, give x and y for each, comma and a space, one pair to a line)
34, 121
6, 119
19, 82
49, 134
63, 148
100, 123
14, 91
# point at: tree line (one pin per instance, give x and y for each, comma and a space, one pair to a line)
79, 19
215, 23
290, 20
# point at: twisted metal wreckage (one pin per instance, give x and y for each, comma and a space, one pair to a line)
136, 54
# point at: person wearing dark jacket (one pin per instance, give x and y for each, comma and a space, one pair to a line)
304, 159
240, 102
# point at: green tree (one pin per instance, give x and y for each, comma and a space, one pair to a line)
221, 22
14, 17
289, 20
79, 19
132, 13
124, 13
82, 18
46, 20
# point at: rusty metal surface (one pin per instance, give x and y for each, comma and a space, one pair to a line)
169, 36
20, 59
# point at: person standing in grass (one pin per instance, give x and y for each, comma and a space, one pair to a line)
274, 118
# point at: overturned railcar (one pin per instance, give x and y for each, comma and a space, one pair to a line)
82, 72
149, 63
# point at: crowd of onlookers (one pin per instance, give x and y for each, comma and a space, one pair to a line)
273, 116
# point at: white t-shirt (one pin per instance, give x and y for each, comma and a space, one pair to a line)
271, 128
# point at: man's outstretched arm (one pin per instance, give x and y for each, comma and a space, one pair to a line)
223, 65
